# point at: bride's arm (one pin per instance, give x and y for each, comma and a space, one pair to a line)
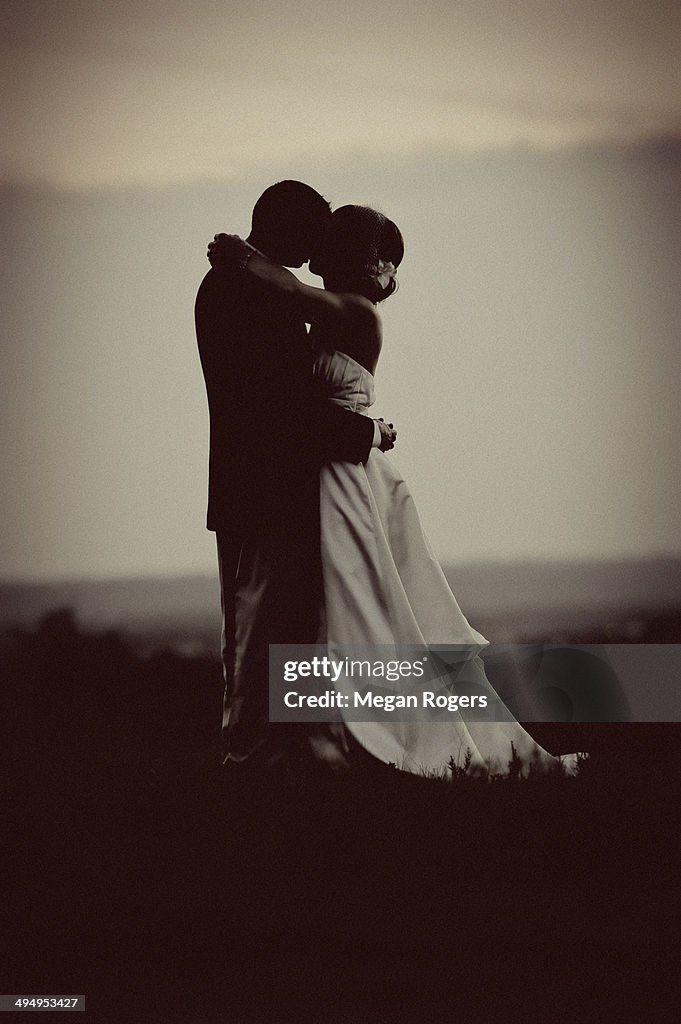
315, 305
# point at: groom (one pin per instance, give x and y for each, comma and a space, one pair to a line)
269, 434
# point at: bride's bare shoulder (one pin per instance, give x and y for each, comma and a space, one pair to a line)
364, 338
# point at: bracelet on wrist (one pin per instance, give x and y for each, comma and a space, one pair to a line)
243, 263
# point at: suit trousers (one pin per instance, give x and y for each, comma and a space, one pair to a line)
271, 593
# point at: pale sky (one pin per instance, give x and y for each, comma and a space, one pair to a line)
101, 92
530, 154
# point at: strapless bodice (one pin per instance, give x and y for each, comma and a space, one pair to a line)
343, 380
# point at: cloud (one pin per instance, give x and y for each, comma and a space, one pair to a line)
120, 94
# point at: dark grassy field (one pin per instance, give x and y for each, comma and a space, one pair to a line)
165, 891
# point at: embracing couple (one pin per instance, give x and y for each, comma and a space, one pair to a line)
318, 537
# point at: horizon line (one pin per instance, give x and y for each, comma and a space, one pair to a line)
176, 575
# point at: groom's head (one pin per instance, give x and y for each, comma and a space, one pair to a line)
288, 222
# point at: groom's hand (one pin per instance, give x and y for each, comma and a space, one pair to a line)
388, 435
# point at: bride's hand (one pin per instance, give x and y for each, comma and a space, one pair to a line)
227, 250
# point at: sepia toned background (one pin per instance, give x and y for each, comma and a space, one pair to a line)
531, 154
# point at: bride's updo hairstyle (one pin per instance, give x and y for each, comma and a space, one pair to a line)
360, 252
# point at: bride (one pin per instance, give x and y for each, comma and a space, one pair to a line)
382, 582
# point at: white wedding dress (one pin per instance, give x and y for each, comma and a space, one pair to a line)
383, 585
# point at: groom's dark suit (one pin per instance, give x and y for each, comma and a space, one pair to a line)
269, 433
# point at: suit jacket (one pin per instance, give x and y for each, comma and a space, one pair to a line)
269, 428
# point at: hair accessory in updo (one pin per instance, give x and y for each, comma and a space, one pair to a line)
361, 252
385, 273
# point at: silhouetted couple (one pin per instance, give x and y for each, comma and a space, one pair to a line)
318, 537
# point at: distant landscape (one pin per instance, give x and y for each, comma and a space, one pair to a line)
624, 602
167, 889
134, 855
